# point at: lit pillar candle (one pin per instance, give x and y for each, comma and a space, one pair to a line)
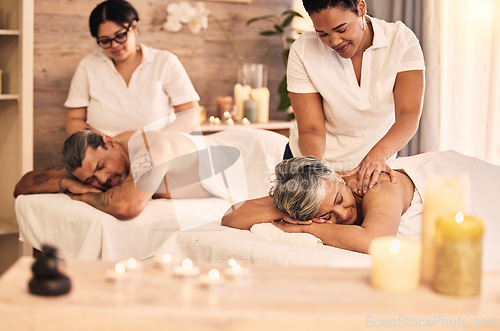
261, 96
241, 93
443, 195
459, 240
395, 264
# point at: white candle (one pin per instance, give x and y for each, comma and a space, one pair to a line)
164, 261
117, 274
395, 264
217, 121
261, 96
443, 195
245, 121
211, 120
213, 278
241, 93
187, 269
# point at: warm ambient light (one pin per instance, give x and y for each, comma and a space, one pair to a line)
481, 10
236, 268
214, 274
187, 264
394, 247
167, 258
131, 264
120, 268
459, 217
232, 262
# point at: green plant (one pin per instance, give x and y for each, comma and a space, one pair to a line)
279, 28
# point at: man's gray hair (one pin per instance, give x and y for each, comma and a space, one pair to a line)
299, 186
76, 146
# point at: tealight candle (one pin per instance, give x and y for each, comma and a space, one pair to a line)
395, 264
245, 121
458, 255
187, 269
230, 121
443, 195
163, 261
118, 273
211, 120
213, 278
236, 272
217, 121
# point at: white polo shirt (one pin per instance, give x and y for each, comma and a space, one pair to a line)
357, 117
157, 84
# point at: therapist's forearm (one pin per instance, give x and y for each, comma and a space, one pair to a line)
312, 144
399, 134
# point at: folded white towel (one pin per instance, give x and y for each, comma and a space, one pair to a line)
271, 232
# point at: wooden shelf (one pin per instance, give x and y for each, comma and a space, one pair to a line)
9, 97
271, 125
7, 32
7, 229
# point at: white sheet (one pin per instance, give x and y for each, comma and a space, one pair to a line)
213, 243
83, 232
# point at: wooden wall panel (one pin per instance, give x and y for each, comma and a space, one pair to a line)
62, 39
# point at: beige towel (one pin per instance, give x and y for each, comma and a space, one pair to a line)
271, 232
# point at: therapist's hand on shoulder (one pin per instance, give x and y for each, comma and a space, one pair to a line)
369, 170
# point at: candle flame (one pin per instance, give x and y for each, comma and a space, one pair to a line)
167, 258
459, 217
232, 262
395, 245
187, 264
236, 268
120, 268
214, 274
132, 263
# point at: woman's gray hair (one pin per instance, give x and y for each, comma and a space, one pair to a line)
76, 146
299, 186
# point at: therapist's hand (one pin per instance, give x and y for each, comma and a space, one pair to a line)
369, 170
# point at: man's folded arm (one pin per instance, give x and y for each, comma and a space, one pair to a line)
123, 201
53, 180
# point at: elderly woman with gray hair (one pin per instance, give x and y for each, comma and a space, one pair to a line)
308, 197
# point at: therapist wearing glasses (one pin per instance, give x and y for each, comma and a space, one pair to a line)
356, 86
124, 85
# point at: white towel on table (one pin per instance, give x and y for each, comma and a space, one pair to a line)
271, 232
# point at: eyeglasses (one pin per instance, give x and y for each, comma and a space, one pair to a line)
119, 38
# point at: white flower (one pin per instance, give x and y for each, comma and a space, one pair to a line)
198, 23
183, 11
200, 20
172, 24
201, 9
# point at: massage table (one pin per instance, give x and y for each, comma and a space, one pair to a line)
191, 227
